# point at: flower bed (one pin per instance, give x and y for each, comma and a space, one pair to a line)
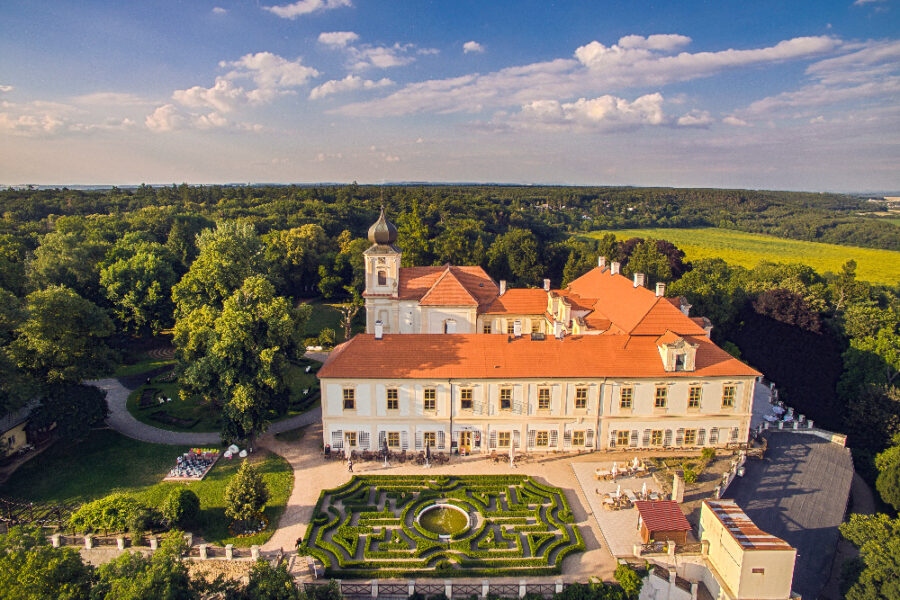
369, 527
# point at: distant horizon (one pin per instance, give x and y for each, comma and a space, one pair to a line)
761, 95
130, 186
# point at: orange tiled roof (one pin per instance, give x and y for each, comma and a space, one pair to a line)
448, 291
447, 285
519, 302
744, 531
634, 310
493, 356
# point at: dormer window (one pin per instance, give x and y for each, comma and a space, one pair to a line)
677, 353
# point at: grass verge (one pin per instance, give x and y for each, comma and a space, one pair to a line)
108, 462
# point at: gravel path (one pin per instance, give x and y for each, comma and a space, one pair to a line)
122, 421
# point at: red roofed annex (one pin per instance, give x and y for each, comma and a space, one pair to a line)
451, 358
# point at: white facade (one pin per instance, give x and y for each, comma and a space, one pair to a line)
533, 415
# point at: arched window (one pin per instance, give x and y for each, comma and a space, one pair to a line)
382, 277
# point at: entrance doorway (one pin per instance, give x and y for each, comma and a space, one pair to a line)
465, 442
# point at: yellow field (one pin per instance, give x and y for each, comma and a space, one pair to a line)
748, 249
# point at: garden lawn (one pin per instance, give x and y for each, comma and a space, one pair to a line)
748, 249
208, 417
108, 462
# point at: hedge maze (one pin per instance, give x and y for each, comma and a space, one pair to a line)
368, 527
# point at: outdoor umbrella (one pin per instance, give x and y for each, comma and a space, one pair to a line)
635, 463
618, 491
615, 470
644, 490
512, 456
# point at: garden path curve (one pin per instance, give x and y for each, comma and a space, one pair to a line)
122, 421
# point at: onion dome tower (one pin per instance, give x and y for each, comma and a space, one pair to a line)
382, 259
383, 232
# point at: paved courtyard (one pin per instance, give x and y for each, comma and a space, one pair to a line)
618, 527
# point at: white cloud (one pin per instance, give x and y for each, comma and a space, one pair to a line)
871, 73
596, 69
347, 84
211, 120
224, 96
272, 75
305, 7
864, 2
603, 113
472, 46
164, 119
668, 41
337, 38
381, 57
6, 88
732, 120
218, 10
695, 118
110, 99
269, 70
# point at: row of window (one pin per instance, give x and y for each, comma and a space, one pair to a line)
663, 437
429, 399
661, 398
487, 327
626, 398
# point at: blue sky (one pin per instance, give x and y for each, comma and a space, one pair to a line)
777, 95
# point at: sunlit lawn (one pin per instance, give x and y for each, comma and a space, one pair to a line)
748, 249
108, 462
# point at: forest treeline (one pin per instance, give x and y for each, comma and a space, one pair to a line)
820, 217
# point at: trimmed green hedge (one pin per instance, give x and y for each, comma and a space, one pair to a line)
528, 530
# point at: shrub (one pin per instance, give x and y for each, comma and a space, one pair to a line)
630, 581
690, 475
181, 507
327, 337
708, 454
115, 512
246, 494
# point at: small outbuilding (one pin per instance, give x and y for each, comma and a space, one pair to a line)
661, 521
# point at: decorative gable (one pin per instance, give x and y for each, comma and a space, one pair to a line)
677, 353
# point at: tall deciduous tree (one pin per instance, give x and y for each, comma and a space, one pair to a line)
69, 259
139, 285
239, 354
228, 255
31, 569
294, 257
646, 258
878, 539
413, 238
515, 256
63, 337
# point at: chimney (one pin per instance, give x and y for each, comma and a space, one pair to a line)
546, 285
517, 328
601, 262
660, 289
379, 330
615, 267
638, 280
502, 286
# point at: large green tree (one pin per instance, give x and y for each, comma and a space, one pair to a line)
134, 576
239, 355
70, 259
30, 569
62, 338
516, 256
139, 285
715, 290
462, 242
294, 256
878, 539
227, 256
246, 494
646, 258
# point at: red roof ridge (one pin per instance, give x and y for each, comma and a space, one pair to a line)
448, 271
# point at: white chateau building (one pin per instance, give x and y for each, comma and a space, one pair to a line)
452, 359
